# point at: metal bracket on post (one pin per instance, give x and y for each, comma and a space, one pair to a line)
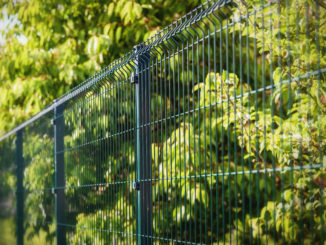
59, 124
54, 191
134, 79
136, 186
20, 188
143, 185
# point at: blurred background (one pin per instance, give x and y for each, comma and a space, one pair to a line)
246, 169
48, 47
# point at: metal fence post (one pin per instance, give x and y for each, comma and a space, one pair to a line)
59, 190
143, 147
20, 188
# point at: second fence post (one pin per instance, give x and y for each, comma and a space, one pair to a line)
20, 188
59, 174
143, 147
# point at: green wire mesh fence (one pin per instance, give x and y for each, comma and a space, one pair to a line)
213, 131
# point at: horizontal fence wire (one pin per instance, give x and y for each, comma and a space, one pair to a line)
210, 132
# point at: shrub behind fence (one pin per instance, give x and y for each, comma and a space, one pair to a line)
210, 132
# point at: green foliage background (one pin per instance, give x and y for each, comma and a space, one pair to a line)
283, 129
68, 41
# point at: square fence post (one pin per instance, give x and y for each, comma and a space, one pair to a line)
20, 188
59, 174
143, 147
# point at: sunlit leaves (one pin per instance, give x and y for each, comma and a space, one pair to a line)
69, 42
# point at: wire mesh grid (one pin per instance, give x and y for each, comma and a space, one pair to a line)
210, 132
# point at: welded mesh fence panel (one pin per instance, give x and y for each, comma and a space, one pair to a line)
100, 164
210, 132
38, 181
238, 125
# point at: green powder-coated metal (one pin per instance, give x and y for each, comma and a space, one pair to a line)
59, 174
20, 189
212, 131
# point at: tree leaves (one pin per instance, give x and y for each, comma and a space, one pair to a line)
68, 43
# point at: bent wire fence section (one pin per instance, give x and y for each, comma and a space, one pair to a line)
210, 132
